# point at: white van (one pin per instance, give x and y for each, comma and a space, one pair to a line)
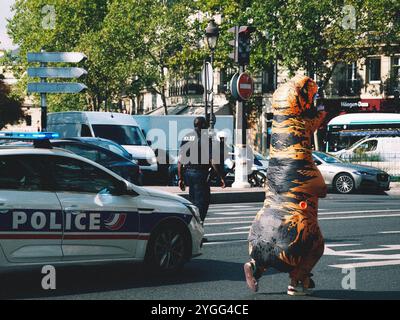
118, 127
383, 148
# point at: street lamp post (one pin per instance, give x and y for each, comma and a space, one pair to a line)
212, 35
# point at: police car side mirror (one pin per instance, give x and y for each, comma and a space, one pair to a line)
149, 143
123, 189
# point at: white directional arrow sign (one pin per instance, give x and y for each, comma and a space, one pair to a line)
64, 73
56, 87
68, 57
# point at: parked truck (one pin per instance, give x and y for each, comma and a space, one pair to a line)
165, 133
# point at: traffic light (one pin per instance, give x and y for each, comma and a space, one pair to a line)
244, 45
241, 44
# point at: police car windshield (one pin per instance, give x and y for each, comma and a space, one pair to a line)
123, 135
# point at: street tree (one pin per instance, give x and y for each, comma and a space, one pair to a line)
310, 35
62, 25
318, 35
154, 40
10, 107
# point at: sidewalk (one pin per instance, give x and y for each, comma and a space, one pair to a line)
229, 195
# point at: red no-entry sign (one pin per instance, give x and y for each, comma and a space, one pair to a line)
245, 86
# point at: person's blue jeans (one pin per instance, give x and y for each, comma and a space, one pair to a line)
199, 190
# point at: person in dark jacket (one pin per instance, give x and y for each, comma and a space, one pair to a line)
196, 158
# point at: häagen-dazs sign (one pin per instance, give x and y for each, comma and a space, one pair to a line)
359, 104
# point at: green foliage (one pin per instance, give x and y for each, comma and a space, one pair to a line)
10, 108
75, 22
131, 43
309, 34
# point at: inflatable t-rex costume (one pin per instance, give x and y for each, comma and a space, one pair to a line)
285, 234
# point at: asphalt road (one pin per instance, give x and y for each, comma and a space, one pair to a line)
361, 231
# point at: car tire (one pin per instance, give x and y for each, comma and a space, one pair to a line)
168, 249
344, 183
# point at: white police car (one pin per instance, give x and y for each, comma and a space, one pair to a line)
59, 208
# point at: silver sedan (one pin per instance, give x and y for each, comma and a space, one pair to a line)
346, 178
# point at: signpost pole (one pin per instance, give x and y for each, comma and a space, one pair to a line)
205, 84
212, 119
241, 174
43, 101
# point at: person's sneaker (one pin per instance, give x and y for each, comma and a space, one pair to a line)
298, 291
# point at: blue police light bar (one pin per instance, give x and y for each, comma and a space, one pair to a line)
29, 135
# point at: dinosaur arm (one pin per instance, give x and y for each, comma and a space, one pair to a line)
316, 122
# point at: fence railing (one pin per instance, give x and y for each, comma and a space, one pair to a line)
388, 161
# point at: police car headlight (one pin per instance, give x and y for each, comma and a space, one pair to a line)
195, 212
153, 160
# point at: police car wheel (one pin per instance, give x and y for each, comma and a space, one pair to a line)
168, 249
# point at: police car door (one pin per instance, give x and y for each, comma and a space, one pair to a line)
98, 223
30, 214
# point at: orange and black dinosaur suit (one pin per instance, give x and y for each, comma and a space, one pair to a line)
285, 234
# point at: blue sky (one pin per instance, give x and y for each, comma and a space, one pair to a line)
5, 12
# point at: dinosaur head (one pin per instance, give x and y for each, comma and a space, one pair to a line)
296, 97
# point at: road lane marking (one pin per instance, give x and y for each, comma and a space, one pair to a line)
389, 232
233, 212
367, 264
224, 242
226, 223
360, 251
376, 260
333, 218
363, 211
230, 218
337, 245
226, 216
224, 234
247, 204
330, 218
235, 207
246, 213
363, 217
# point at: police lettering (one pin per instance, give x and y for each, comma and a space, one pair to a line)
41, 221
